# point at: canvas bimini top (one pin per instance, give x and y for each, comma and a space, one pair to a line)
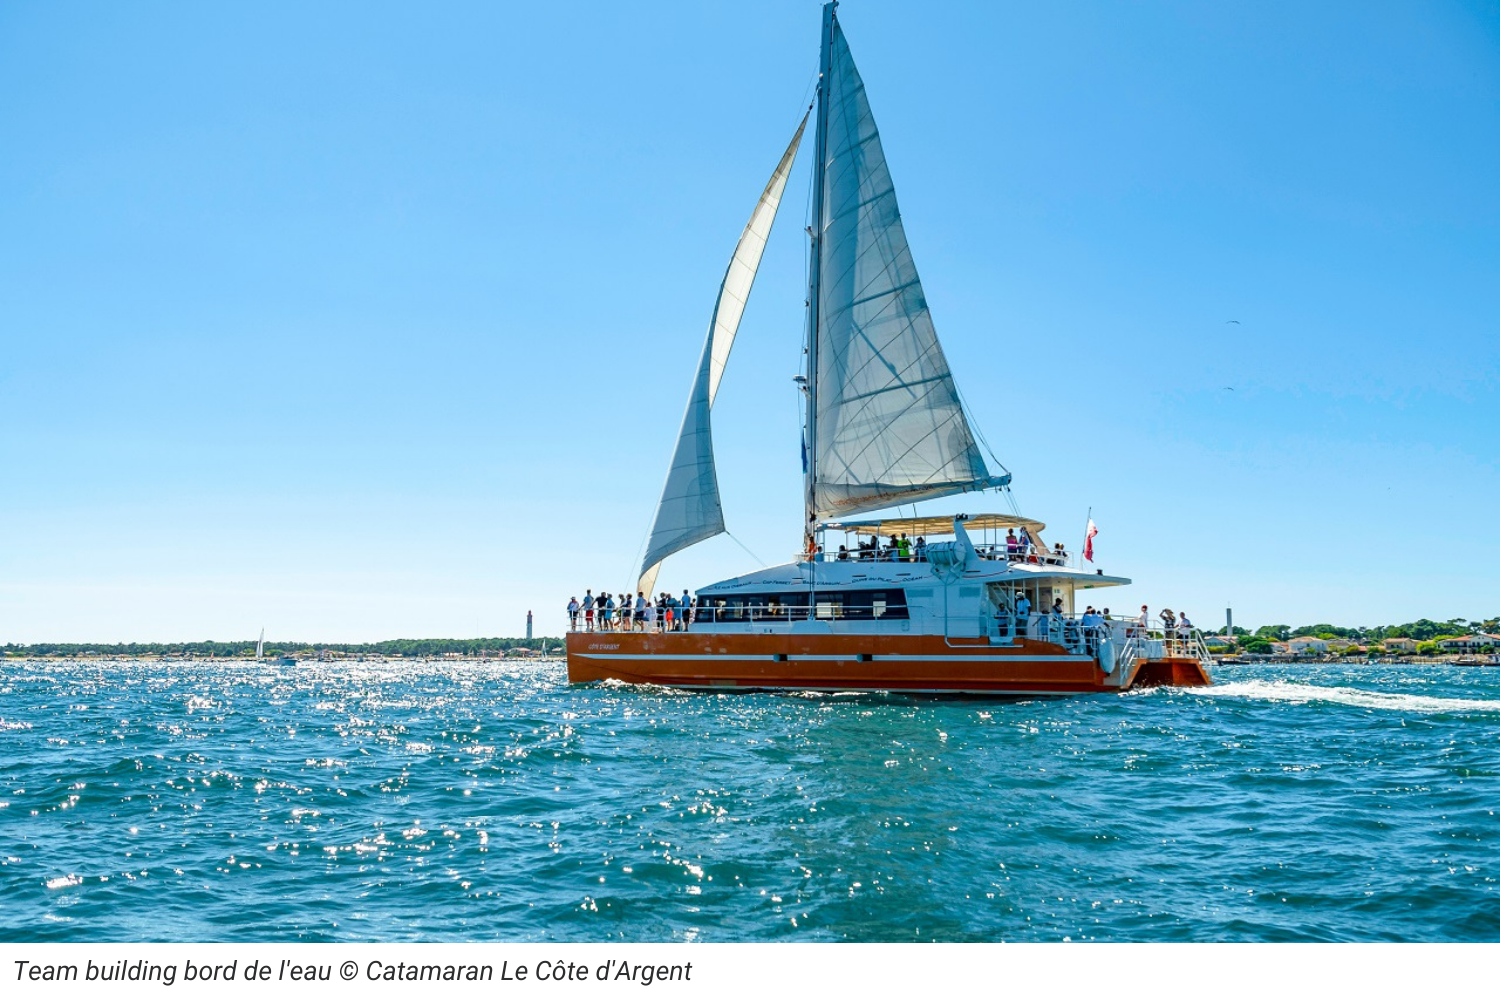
937, 524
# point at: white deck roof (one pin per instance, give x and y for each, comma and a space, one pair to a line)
859, 573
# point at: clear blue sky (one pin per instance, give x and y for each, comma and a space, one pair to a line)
364, 321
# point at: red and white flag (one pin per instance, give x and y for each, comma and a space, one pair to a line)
1088, 541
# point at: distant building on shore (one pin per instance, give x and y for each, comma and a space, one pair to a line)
1469, 643
1306, 644
1400, 645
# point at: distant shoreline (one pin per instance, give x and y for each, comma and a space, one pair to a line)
478, 649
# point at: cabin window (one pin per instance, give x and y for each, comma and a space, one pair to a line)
864, 605
828, 605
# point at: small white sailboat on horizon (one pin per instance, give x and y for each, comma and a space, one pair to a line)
260, 654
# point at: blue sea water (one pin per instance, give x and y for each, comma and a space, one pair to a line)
491, 800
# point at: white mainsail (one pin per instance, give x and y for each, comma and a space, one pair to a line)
889, 425
690, 510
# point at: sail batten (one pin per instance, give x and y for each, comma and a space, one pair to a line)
690, 510
889, 427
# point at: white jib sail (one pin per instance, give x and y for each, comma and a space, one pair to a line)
890, 427
690, 510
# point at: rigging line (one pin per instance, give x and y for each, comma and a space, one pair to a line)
810, 92
752, 555
974, 427
1010, 499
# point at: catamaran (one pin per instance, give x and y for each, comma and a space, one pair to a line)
949, 605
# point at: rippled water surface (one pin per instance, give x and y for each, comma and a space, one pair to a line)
467, 800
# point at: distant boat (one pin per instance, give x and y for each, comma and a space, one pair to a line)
884, 426
275, 661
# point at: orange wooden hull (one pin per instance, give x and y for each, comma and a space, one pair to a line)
1175, 672
835, 662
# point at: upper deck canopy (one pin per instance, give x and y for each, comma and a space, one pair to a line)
935, 525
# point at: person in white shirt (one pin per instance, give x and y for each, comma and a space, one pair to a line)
1023, 611
573, 614
1092, 621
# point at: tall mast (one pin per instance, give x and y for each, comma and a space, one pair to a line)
820, 154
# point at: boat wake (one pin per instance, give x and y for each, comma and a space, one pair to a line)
1354, 697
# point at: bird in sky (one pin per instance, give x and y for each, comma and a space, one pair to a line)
1229, 388
1234, 321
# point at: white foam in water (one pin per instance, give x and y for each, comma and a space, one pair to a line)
1355, 697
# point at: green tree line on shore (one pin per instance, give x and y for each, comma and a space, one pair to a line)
1424, 631
210, 648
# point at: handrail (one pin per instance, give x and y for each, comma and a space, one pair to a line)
1131, 640
990, 553
653, 618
